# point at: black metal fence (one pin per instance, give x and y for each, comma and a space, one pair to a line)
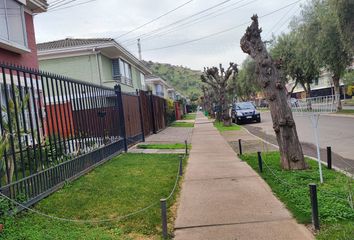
55, 129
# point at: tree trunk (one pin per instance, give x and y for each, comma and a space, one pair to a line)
337, 91
275, 91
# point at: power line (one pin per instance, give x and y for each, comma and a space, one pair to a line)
61, 4
220, 32
201, 19
281, 18
74, 5
181, 20
153, 20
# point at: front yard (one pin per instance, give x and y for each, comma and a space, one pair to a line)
125, 184
291, 187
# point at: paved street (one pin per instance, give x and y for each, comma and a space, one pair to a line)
335, 131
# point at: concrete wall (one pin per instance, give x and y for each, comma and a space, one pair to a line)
26, 59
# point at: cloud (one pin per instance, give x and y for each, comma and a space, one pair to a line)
111, 18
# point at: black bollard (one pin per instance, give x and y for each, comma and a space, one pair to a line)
186, 145
164, 218
240, 147
314, 206
260, 163
329, 157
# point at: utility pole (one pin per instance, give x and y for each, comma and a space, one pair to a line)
139, 49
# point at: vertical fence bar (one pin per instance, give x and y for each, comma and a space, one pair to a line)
50, 124
36, 125
329, 157
56, 119
68, 109
61, 135
70, 93
66, 119
10, 130
97, 115
141, 116
314, 206
40, 93
102, 121
16, 104
164, 218
118, 92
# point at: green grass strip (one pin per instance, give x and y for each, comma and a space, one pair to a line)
220, 126
189, 116
291, 187
182, 124
164, 146
346, 111
123, 185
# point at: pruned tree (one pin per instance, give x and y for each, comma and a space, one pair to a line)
208, 100
274, 90
221, 82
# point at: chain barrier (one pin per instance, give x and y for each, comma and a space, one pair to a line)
90, 220
321, 192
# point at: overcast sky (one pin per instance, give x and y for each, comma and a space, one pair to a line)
112, 18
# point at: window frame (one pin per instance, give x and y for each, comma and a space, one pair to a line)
9, 44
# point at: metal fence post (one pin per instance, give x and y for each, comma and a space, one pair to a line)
260, 163
314, 206
141, 116
164, 218
329, 157
240, 147
152, 112
118, 91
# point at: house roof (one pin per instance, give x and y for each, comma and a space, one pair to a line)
73, 45
37, 6
72, 42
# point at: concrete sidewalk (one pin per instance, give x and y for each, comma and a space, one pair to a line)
169, 135
223, 198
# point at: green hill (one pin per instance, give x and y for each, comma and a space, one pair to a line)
185, 80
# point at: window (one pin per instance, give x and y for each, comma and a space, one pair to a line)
12, 24
316, 81
159, 90
122, 71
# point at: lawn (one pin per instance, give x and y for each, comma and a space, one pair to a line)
189, 116
220, 126
291, 187
182, 124
346, 111
123, 185
164, 146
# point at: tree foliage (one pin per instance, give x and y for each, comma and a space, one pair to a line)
246, 84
